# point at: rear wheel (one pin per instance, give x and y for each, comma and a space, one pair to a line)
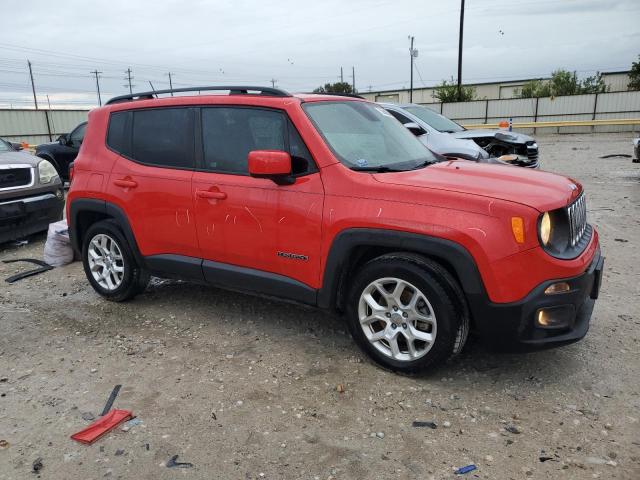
109, 263
406, 312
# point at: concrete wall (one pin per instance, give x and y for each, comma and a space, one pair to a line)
38, 126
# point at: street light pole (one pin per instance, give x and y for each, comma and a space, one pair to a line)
460, 51
411, 58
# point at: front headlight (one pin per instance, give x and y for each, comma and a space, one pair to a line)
545, 229
46, 172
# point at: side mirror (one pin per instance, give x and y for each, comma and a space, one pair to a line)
272, 164
414, 128
62, 139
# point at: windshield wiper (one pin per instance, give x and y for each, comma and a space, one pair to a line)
379, 169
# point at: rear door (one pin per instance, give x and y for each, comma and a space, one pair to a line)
253, 222
151, 180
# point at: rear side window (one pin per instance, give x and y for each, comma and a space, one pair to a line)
230, 133
163, 137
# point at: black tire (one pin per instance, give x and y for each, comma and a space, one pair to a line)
135, 278
442, 293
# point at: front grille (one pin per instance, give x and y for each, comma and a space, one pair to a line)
577, 213
15, 177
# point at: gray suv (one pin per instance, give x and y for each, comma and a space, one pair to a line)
31, 194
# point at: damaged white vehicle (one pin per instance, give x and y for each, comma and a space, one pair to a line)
446, 137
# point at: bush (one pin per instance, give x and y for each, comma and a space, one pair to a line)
563, 82
447, 92
634, 76
338, 87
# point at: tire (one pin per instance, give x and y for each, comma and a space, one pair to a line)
407, 339
109, 263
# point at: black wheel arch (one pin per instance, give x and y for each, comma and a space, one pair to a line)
353, 247
84, 212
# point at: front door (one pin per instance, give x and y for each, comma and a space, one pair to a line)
252, 222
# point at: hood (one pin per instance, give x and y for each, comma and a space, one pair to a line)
447, 145
502, 135
541, 190
19, 157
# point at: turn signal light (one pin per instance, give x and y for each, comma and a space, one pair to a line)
517, 226
555, 288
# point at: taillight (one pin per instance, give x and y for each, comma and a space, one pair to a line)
70, 173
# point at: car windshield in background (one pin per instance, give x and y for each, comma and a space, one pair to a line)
4, 146
434, 119
366, 137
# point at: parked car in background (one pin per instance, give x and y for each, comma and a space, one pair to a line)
329, 201
636, 150
31, 194
446, 137
64, 150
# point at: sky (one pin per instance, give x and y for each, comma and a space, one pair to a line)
299, 44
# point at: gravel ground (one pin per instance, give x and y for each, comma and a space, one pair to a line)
246, 388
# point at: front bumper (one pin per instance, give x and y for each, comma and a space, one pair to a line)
25, 216
512, 326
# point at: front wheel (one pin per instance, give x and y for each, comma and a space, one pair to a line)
406, 312
109, 263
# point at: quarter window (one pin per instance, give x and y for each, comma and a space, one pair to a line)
118, 137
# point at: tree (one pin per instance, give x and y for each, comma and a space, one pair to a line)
563, 82
447, 92
338, 87
634, 76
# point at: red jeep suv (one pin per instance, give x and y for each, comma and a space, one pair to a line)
329, 201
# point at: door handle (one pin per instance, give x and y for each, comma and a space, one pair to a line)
208, 194
126, 183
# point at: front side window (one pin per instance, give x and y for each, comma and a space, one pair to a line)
434, 119
230, 133
77, 136
163, 137
365, 136
4, 146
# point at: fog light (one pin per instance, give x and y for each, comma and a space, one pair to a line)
554, 288
555, 317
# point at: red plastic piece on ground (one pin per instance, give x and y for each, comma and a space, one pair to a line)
102, 426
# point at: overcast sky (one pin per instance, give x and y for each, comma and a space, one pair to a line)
299, 43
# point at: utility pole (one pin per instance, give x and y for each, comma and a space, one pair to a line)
48, 102
96, 73
341, 76
170, 83
33, 87
129, 78
153, 89
411, 55
460, 51
273, 82
353, 78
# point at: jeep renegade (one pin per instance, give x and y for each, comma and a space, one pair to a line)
329, 201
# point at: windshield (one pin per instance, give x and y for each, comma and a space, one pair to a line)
433, 119
366, 137
4, 146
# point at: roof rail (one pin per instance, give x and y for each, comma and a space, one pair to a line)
352, 95
233, 90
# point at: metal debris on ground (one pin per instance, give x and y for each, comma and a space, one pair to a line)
110, 400
340, 388
37, 465
419, 424
614, 155
44, 267
467, 469
172, 462
131, 423
4, 444
88, 416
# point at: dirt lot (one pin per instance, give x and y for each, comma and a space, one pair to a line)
245, 388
